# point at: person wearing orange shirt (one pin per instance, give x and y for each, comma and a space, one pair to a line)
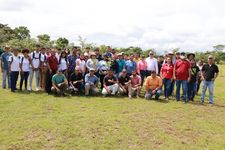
153, 86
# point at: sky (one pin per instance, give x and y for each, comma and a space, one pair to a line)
191, 25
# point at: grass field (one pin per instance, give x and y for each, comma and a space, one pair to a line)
37, 121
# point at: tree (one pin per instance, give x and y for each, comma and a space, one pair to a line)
6, 33
22, 32
44, 40
21, 44
62, 43
219, 47
83, 43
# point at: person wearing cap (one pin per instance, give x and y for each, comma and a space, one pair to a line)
92, 62
167, 77
210, 72
77, 81
130, 65
153, 86
182, 75
59, 83
5, 67
121, 62
172, 57
43, 68
192, 84
91, 83
14, 68
141, 68
110, 84
152, 64
71, 59
124, 82
36, 60
52, 65
135, 85
25, 63
80, 62
103, 67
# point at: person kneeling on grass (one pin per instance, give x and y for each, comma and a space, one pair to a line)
135, 86
124, 82
91, 83
110, 84
76, 82
153, 85
59, 83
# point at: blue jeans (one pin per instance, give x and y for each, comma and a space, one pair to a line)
210, 85
167, 87
32, 72
191, 90
184, 89
143, 75
6, 75
14, 78
150, 94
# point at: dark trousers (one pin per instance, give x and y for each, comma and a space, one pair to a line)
101, 76
143, 75
167, 87
24, 77
148, 73
14, 78
191, 90
49, 81
198, 85
172, 88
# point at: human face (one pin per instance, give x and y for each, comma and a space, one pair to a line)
153, 75
92, 72
131, 57
151, 54
110, 73
210, 60
168, 60
134, 73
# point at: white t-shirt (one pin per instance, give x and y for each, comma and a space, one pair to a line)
44, 58
35, 59
25, 64
63, 64
15, 66
81, 64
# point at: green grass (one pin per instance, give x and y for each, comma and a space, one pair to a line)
37, 121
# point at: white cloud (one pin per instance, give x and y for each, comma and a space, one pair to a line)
188, 24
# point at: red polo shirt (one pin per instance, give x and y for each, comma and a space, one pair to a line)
53, 63
181, 69
167, 71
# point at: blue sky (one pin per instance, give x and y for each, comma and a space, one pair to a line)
192, 25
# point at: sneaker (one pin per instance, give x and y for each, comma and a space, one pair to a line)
137, 96
29, 89
167, 99
130, 96
37, 89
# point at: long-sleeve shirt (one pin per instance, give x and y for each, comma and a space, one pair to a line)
92, 80
152, 64
142, 65
92, 63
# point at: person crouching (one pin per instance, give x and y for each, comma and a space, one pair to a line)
59, 83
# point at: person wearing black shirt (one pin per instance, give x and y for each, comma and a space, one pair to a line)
124, 82
115, 65
110, 84
77, 81
192, 84
209, 74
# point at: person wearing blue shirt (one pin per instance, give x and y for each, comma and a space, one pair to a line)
5, 67
91, 83
121, 62
131, 65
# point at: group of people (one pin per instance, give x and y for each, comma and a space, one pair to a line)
76, 72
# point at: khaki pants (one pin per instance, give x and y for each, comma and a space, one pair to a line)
43, 77
134, 90
90, 88
62, 89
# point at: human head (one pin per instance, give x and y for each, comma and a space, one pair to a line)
210, 59
92, 71
25, 52
110, 72
151, 54
153, 74
134, 72
15, 51
168, 60
37, 48
131, 57
7, 48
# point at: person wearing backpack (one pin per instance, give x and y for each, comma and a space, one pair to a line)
14, 68
25, 63
43, 68
35, 57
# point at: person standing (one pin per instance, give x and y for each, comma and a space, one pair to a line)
52, 64
14, 68
92, 63
43, 68
63, 63
152, 64
200, 65
5, 67
25, 63
130, 65
72, 61
103, 67
36, 57
210, 72
167, 76
121, 62
142, 67
182, 75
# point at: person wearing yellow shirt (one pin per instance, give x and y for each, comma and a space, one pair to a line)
153, 86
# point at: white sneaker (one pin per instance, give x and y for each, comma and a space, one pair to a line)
130, 96
37, 89
29, 89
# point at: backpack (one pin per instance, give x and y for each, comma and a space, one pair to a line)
23, 59
33, 57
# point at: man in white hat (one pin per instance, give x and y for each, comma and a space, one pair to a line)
91, 83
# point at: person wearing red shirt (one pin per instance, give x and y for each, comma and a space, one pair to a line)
52, 65
167, 76
182, 75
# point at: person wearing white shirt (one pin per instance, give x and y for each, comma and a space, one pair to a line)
80, 62
25, 63
152, 64
63, 63
35, 57
43, 68
14, 68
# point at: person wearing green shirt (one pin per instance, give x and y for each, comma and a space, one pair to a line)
59, 83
